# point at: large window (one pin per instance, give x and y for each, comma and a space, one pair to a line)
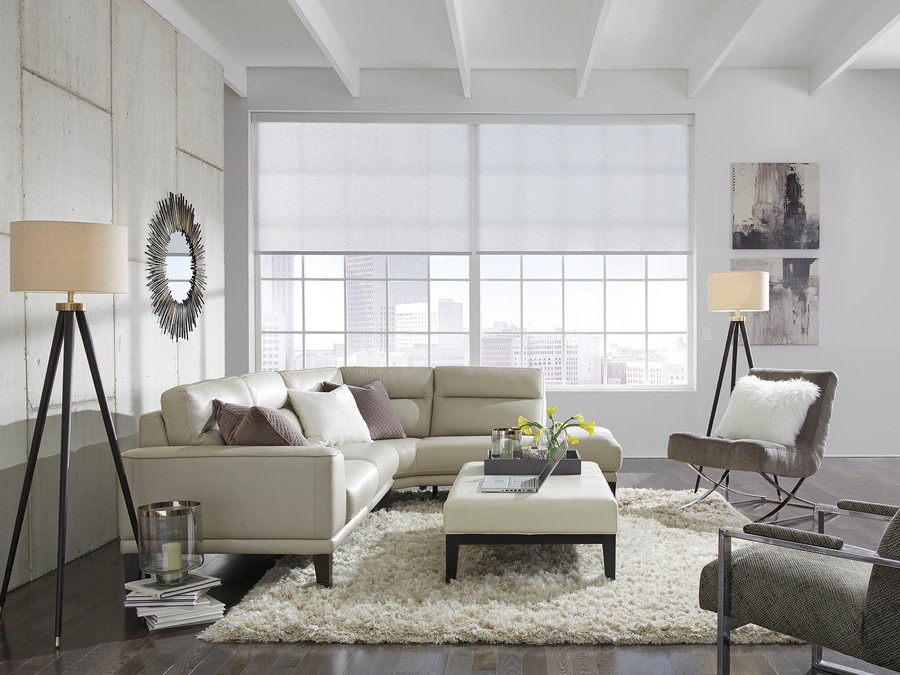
564, 247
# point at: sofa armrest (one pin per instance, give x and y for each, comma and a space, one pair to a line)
601, 448
246, 492
152, 429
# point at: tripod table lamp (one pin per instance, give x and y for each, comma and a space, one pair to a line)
49, 256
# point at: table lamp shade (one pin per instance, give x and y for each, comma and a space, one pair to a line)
60, 257
738, 292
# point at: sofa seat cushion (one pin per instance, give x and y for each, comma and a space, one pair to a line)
380, 453
362, 484
447, 454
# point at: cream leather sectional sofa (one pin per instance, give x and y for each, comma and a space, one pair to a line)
306, 500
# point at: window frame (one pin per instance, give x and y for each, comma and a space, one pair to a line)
474, 278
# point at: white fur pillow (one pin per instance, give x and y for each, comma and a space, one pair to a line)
329, 418
767, 411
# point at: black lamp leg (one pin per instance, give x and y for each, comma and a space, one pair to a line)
49, 377
88, 344
64, 445
712, 415
746, 345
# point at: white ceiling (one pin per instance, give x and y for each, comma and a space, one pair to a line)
555, 34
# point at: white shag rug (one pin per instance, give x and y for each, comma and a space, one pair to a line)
389, 584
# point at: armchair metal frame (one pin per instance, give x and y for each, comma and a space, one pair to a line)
785, 496
821, 513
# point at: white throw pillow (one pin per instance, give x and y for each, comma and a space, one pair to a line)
329, 418
764, 410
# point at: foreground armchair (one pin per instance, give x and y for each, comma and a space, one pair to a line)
810, 586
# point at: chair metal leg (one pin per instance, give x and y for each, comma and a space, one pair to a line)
723, 624
706, 494
790, 494
820, 666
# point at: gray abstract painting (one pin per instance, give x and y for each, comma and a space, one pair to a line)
793, 316
775, 205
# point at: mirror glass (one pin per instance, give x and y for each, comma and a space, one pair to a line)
178, 266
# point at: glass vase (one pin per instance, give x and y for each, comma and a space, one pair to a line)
550, 444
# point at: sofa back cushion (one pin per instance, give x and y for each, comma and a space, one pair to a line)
470, 401
411, 390
188, 409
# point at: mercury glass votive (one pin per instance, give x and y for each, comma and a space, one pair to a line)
170, 540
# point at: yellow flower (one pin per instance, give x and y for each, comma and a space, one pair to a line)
579, 418
588, 427
572, 440
550, 411
537, 433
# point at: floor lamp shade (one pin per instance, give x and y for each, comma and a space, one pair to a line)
738, 292
61, 257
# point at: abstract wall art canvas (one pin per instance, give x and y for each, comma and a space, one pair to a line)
793, 316
775, 206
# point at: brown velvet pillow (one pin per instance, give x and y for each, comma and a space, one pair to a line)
375, 407
228, 417
267, 426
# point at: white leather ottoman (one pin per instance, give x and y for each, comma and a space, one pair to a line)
567, 510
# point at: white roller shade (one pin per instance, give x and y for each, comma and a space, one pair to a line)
345, 187
581, 187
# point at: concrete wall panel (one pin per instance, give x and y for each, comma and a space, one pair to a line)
67, 155
10, 116
201, 103
146, 359
10, 489
12, 375
67, 42
91, 503
40, 319
202, 355
143, 54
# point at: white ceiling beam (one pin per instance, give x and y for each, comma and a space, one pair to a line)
599, 15
458, 31
175, 13
871, 24
718, 42
327, 36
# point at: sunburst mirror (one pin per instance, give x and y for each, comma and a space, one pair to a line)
176, 271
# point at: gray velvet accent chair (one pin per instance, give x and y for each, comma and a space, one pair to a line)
771, 460
812, 587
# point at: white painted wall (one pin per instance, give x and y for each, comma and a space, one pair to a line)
104, 109
741, 116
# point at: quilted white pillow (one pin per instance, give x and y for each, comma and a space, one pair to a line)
767, 411
329, 418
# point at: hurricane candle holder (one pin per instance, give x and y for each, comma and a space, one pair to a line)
170, 542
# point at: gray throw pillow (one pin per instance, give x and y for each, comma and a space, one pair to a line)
375, 407
228, 417
267, 426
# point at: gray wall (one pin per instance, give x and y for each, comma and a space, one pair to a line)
104, 109
850, 128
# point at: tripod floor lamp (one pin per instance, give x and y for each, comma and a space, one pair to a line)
66, 257
734, 292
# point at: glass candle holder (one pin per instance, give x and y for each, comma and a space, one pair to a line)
170, 540
506, 443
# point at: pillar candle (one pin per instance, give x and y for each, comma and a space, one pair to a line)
171, 553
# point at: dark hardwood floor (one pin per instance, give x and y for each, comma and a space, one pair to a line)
99, 636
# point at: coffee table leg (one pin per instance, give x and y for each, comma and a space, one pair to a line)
452, 547
609, 556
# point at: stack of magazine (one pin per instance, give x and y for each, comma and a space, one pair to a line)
167, 606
